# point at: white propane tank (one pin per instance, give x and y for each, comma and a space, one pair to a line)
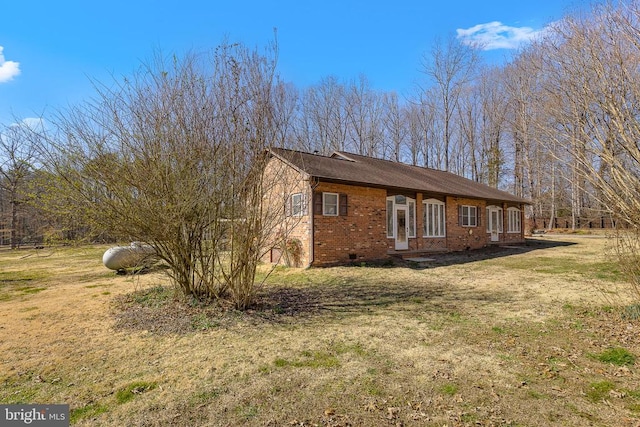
122, 257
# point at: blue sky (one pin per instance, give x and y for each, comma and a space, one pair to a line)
49, 50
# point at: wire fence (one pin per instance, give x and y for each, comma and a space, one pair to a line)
597, 223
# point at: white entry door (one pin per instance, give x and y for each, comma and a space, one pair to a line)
402, 228
494, 219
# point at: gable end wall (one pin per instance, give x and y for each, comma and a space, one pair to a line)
283, 181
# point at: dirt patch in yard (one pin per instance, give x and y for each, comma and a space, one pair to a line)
509, 336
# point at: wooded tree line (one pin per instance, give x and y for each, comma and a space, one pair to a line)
557, 124
541, 126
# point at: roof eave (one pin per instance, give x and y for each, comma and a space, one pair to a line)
421, 190
303, 172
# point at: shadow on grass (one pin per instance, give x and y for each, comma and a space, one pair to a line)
490, 252
353, 298
314, 294
357, 295
349, 297
375, 290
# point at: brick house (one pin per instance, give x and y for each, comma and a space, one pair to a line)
346, 207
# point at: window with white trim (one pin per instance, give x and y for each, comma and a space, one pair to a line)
513, 220
297, 206
433, 216
468, 216
412, 217
390, 218
330, 204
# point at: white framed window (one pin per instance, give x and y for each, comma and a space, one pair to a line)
297, 206
468, 216
330, 204
513, 220
399, 200
412, 217
433, 218
390, 219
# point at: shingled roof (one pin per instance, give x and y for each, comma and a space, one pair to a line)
356, 169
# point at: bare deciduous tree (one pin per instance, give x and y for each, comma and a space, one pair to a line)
451, 66
364, 116
174, 157
591, 72
395, 125
322, 126
17, 164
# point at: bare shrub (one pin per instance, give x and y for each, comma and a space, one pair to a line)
174, 157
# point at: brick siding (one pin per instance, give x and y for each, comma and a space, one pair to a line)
286, 230
361, 234
462, 238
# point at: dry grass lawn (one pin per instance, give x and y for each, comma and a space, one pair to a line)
521, 336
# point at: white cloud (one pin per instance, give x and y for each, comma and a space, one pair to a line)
28, 124
496, 35
33, 123
8, 69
